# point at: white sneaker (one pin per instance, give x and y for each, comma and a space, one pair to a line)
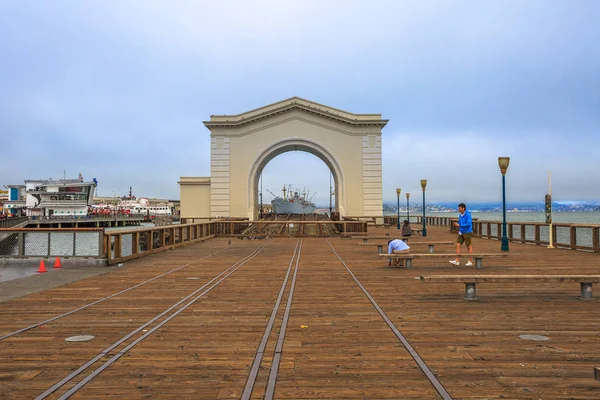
454, 262
469, 264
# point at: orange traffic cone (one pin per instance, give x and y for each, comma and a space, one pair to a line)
42, 267
57, 263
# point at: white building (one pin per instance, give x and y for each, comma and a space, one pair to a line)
47, 198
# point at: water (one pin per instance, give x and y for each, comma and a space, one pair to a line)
557, 217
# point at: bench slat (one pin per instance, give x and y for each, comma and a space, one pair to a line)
419, 255
410, 243
509, 278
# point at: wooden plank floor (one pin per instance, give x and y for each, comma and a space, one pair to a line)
336, 344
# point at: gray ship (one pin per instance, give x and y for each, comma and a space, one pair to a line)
293, 202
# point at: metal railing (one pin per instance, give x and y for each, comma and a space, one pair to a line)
572, 236
287, 228
41, 242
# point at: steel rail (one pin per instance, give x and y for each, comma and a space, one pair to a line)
107, 297
434, 381
270, 390
106, 352
247, 393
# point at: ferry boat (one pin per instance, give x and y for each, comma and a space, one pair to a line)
131, 205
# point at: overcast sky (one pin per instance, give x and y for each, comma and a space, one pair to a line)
118, 90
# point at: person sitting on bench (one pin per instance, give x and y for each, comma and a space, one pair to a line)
397, 246
406, 229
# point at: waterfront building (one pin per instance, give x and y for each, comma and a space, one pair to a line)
47, 198
14, 205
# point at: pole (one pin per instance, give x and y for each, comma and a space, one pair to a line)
504, 245
550, 233
407, 210
424, 228
398, 225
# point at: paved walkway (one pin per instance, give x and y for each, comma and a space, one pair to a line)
335, 343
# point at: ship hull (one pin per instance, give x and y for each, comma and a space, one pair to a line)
287, 207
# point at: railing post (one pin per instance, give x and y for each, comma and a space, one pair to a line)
537, 235
21, 243
101, 244
523, 237
554, 235
118, 243
573, 232
596, 239
134, 242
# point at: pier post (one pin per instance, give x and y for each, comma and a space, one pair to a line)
470, 291
586, 291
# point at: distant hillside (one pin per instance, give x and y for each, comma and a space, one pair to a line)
495, 207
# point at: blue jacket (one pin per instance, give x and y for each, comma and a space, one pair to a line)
465, 222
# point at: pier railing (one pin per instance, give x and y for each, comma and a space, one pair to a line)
125, 245
12, 221
572, 236
432, 220
48, 242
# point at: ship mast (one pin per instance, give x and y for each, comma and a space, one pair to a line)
330, 194
284, 190
261, 199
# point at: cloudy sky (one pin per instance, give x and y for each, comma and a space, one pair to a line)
118, 90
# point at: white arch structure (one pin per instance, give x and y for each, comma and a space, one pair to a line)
243, 144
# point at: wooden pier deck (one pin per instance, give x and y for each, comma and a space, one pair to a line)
334, 342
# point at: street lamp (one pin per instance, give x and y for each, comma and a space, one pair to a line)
407, 210
503, 164
423, 186
398, 190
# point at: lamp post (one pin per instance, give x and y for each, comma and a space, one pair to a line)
423, 186
503, 164
398, 190
407, 210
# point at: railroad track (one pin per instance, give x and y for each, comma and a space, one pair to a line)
250, 383
38, 324
121, 347
264, 371
275, 357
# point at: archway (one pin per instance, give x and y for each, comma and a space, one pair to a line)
241, 145
295, 144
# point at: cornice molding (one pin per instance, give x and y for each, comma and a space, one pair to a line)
235, 121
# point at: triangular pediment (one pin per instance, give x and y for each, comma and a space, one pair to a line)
294, 104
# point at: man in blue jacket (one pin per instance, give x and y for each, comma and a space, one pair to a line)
465, 232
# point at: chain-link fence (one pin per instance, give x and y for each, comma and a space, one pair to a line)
48, 243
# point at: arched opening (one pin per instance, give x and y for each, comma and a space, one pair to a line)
288, 145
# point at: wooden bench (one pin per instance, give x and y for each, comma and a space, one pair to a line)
430, 244
365, 239
408, 257
471, 281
